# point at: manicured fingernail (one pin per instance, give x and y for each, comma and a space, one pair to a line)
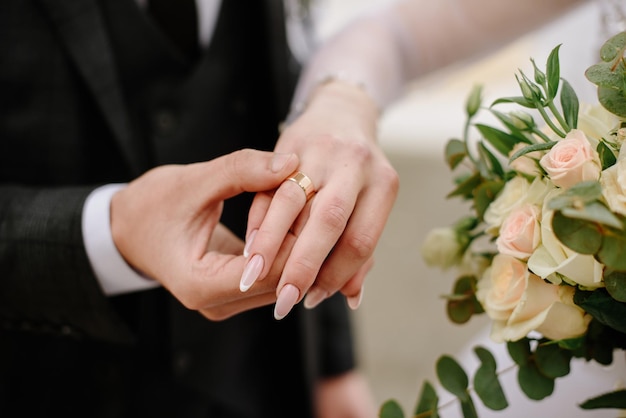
246, 249
279, 160
355, 301
251, 272
314, 297
287, 298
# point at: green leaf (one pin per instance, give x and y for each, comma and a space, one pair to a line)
615, 283
570, 105
577, 195
463, 305
602, 75
607, 157
613, 250
467, 186
452, 377
502, 141
516, 128
533, 383
455, 152
613, 48
553, 72
595, 212
603, 308
486, 383
484, 194
491, 160
519, 351
468, 409
391, 409
615, 400
517, 100
579, 235
428, 401
613, 100
552, 360
531, 148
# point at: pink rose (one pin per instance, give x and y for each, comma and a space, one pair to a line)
572, 160
520, 232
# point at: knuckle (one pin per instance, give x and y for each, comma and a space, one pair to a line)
305, 270
390, 177
335, 215
360, 245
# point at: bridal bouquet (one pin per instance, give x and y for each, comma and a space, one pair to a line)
543, 251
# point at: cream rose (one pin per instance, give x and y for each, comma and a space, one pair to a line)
528, 163
572, 160
441, 248
554, 261
520, 232
516, 192
519, 302
613, 181
596, 122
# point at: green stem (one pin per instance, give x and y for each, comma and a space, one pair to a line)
548, 121
558, 116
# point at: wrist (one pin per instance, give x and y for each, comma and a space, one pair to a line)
336, 89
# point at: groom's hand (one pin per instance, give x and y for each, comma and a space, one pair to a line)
166, 225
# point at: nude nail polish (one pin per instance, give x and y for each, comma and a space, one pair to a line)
314, 297
355, 301
287, 298
249, 241
251, 272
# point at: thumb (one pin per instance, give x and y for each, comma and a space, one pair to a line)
246, 170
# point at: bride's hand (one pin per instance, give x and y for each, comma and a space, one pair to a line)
337, 229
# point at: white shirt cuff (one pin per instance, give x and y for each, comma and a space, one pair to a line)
113, 273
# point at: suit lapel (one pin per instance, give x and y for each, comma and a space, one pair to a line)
80, 25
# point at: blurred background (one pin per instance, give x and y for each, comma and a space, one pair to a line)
401, 326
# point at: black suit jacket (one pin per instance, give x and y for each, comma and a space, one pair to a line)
69, 122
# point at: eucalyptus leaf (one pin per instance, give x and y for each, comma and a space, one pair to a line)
552, 360
615, 284
486, 383
462, 305
391, 409
613, 250
468, 409
428, 401
613, 48
603, 308
579, 235
519, 351
602, 75
452, 377
616, 400
595, 212
577, 195
569, 104
613, 100
533, 383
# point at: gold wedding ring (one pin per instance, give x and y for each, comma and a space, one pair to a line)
305, 183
